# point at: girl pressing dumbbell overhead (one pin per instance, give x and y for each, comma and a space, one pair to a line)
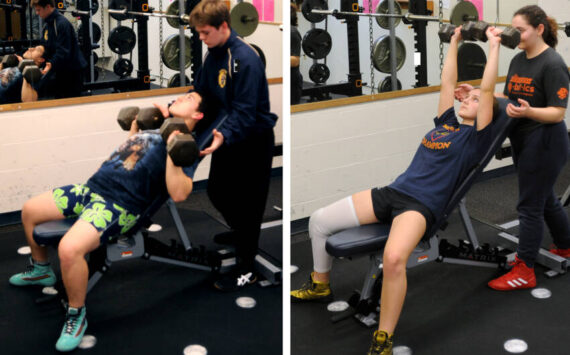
416, 199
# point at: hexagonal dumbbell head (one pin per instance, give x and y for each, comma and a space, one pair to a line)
446, 32
150, 118
172, 124
474, 31
510, 37
126, 117
9, 61
183, 150
32, 74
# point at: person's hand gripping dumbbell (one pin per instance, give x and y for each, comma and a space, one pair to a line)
180, 144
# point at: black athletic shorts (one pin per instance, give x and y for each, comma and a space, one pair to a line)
389, 203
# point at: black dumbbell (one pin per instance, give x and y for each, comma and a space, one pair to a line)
9, 61
147, 118
510, 37
30, 71
474, 31
446, 32
182, 149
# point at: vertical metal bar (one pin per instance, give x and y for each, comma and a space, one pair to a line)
91, 63
466, 219
393, 61
179, 226
182, 46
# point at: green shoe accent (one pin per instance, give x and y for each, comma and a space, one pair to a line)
381, 343
312, 291
34, 275
73, 329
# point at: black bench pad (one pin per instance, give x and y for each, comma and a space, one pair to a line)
358, 240
49, 233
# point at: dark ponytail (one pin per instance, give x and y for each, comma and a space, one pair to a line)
535, 16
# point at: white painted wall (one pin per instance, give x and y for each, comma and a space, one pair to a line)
45, 148
338, 151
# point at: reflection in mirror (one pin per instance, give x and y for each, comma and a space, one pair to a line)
357, 59
132, 45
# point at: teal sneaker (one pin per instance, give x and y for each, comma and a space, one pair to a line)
73, 329
34, 275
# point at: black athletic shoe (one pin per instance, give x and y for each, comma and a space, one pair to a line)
226, 238
235, 280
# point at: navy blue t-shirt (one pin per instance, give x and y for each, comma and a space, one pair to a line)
447, 153
134, 175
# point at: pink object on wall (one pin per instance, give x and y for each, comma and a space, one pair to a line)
374, 4
265, 9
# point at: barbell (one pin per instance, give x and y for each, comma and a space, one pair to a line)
462, 12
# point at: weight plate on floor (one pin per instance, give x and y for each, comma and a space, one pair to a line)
260, 53
173, 9
96, 32
386, 84
174, 81
462, 12
83, 5
471, 61
319, 73
309, 5
381, 54
317, 43
123, 67
171, 51
382, 8
244, 18
120, 5
122, 40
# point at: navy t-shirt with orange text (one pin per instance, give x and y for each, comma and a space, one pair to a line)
446, 154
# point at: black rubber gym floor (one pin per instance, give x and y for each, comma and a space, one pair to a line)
146, 307
448, 309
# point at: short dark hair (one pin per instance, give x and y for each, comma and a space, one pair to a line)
42, 3
209, 106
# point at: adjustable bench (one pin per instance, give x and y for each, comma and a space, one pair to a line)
371, 239
132, 244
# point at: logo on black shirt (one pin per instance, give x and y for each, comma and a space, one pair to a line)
562, 93
519, 85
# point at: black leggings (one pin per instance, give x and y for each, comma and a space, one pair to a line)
238, 186
539, 158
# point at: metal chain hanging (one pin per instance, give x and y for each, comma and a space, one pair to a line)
440, 42
371, 36
103, 35
160, 36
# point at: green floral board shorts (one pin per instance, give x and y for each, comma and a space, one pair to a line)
108, 218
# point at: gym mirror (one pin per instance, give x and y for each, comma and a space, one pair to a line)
133, 45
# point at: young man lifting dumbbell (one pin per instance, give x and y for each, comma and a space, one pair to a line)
137, 173
21, 78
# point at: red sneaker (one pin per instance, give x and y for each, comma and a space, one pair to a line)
520, 277
565, 253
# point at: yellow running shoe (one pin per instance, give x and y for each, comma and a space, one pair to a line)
381, 343
312, 290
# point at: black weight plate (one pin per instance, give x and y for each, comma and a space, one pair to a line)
123, 67
386, 84
83, 5
174, 81
171, 52
244, 19
122, 40
317, 43
319, 73
173, 9
95, 58
381, 54
309, 5
382, 8
96, 32
260, 53
119, 5
471, 62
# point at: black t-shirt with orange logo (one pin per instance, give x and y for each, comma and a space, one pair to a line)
542, 81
